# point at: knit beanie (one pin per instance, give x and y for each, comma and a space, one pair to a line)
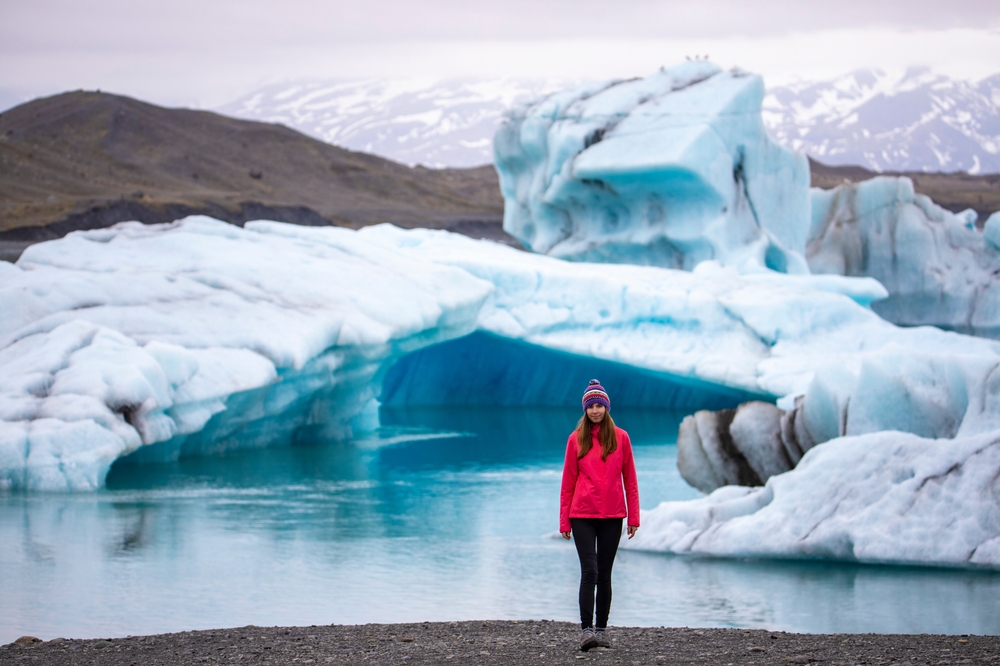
595, 394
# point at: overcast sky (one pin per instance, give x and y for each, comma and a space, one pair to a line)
207, 52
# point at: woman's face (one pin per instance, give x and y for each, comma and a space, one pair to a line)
596, 412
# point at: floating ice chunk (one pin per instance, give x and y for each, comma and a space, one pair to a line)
669, 170
167, 340
676, 169
883, 497
928, 394
742, 446
938, 269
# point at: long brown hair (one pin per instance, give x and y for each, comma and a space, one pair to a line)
606, 436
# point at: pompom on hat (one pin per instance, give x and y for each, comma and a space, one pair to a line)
595, 394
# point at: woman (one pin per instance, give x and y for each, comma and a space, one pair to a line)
592, 505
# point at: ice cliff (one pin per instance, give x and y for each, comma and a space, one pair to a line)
669, 170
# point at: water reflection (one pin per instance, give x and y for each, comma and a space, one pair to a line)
442, 514
812, 596
134, 523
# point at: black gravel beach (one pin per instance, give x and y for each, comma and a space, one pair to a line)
501, 642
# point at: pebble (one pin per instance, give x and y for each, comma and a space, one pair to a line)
524, 643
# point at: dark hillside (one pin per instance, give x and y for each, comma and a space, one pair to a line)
86, 159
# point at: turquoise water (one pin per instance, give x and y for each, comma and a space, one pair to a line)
444, 514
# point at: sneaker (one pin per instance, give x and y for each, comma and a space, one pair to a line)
588, 639
603, 638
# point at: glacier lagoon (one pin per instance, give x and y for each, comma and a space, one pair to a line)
127, 353
441, 514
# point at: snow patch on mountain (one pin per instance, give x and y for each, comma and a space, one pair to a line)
437, 123
913, 120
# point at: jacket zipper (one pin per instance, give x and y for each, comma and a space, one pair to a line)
604, 481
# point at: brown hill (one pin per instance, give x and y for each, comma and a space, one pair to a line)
954, 191
86, 159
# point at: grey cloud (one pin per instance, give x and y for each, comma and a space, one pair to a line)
209, 51
120, 25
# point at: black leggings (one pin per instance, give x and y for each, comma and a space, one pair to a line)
596, 543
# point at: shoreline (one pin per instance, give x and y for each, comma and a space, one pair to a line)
519, 642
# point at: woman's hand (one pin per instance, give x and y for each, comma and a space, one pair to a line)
632, 529
566, 535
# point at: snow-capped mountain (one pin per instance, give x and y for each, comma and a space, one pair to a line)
906, 121
444, 123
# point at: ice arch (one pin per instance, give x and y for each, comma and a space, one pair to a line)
486, 369
477, 369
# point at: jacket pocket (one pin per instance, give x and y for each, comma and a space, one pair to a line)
586, 499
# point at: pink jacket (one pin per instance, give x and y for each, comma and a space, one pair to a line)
593, 488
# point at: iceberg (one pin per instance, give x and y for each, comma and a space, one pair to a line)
886, 497
669, 170
197, 336
937, 267
927, 390
677, 168
991, 230
933, 395
140, 343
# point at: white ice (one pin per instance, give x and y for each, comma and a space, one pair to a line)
938, 269
199, 336
119, 338
886, 497
669, 170
778, 335
677, 168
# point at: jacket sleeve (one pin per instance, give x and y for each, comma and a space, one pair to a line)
571, 470
631, 483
